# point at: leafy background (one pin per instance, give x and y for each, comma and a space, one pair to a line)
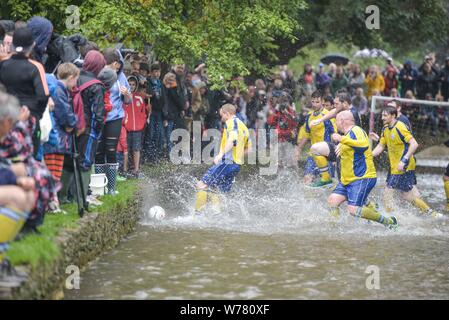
250, 37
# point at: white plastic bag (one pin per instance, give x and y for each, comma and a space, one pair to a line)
46, 125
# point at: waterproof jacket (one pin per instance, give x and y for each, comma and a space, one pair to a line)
373, 84
173, 107
64, 118
408, 84
63, 49
137, 112
284, 123
426, 83
117, 99
157, 99
93, 100
24, 78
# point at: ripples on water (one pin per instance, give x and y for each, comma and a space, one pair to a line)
274, 240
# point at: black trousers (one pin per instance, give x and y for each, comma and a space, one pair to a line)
107, 145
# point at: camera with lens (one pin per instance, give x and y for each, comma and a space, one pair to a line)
283, 106
125, 51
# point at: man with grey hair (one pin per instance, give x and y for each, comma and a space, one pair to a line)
16, 192
9, 113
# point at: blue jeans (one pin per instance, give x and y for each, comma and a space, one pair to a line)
154, 137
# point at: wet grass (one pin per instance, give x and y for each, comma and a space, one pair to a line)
36, 249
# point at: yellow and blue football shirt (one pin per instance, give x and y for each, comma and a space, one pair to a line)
302, 133
235, 130
397, 139
322, 131
356, 156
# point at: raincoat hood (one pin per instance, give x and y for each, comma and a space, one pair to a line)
94, 62
52, 83
42, 30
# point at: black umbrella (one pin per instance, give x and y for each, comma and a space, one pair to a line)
336, 58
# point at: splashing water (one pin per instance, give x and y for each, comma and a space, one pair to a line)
274, 239
281, 204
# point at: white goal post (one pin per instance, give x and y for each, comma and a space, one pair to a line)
402, 100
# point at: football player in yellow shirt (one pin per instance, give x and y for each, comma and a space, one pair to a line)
401, 145
235, 143
310, 167
318, 133
358, 174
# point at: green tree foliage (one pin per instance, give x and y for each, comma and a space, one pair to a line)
404, 25
231, 34
24, 10
242, 37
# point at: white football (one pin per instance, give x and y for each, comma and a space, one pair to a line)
157, 213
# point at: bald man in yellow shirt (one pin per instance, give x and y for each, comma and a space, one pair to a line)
358, 174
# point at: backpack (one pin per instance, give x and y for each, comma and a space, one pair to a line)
78, 104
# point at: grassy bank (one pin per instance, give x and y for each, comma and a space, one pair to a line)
35, 249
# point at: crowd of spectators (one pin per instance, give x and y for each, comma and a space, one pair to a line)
117, 110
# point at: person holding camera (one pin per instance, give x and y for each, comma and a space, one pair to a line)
283, 118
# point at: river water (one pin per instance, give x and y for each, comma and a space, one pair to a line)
274, 240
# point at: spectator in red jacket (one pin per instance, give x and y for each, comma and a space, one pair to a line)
137, 112
283, 118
